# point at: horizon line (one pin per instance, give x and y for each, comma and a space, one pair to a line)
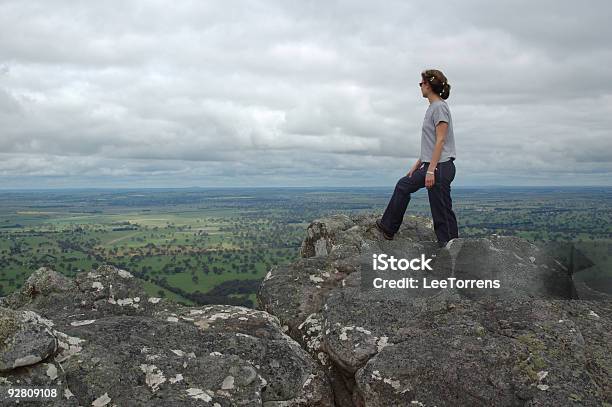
290, 187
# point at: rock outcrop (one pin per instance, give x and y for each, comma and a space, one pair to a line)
529, 343
321, 336
102, 341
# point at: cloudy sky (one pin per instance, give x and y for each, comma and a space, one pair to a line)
300, 93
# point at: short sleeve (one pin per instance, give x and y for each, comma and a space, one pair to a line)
440, 114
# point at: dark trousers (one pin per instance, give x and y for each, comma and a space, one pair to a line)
440, 202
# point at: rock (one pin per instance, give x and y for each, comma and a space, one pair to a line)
322, 335
39, 375
444, 347
44, 281
106, 342
343, 233
25, 339
41, 283
503, 258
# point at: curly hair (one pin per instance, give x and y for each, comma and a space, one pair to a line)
438, 82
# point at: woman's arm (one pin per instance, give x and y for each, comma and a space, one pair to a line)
414, 167
441, 130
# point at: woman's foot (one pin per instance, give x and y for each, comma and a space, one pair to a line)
382, 230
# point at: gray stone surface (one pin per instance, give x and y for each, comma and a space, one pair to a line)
529, 343
25, 339
322, 336
100, 339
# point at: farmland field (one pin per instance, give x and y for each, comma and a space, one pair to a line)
215, 245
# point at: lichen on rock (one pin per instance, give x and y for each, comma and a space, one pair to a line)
450, 347
101, 340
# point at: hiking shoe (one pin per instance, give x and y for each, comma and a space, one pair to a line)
382, 230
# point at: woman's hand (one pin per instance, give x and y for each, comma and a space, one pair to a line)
414, 168
430, 180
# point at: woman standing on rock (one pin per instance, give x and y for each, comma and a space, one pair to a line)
435, 168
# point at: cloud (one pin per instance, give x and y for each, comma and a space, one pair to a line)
299, 93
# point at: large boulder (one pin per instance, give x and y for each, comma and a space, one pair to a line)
25, 339
101, 340
531, 342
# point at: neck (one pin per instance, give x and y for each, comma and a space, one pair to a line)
433, 97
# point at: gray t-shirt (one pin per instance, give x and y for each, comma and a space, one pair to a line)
437, 112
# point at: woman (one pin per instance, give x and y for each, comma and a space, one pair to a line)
435, 168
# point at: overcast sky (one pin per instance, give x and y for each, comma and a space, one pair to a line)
300, 93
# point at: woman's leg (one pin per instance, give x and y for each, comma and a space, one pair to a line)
394, 214
441, 204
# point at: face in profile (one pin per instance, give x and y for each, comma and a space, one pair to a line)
425, 87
